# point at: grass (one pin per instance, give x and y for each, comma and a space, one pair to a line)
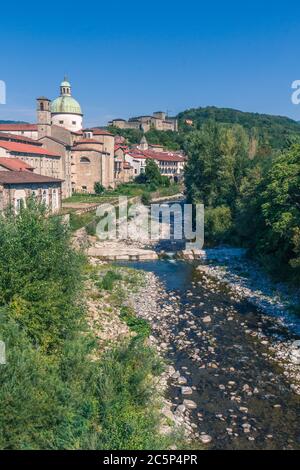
140, 326
128, 189
109, 279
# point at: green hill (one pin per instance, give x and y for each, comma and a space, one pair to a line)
275, 131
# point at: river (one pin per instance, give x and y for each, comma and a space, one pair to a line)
243, 398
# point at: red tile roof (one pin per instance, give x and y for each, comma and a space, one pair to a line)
98, 131
87, 141
14, 164
21, 177
26, 148
18, 127
160, 156
119, 146
19, 138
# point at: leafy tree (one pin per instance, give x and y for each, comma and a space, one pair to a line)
99, 188
40, 275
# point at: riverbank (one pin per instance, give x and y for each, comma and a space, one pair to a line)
218, 345
114, 317
248, 282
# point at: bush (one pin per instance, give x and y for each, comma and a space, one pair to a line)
40, 276
109, 279
146, 198
98, 188
136, 324
218, 224
125, 390
55, 390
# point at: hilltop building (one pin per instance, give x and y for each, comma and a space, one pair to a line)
159, 121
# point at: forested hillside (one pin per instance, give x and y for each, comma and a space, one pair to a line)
275, 131
253, 202
266, 132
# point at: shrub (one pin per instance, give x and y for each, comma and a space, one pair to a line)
109, 279
146, 198
136, 324
218, 224
99, 188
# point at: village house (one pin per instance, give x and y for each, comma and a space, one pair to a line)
170, 164
124, 171
18, 182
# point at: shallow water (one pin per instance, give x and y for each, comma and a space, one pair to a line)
256, 383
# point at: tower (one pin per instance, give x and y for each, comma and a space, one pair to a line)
143, 144
43, 117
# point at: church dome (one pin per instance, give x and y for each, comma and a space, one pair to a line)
65, 104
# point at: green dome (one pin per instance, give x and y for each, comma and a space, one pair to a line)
65, 104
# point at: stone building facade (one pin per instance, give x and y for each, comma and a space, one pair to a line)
158, 120
17, 186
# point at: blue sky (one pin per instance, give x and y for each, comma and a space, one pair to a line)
128, 58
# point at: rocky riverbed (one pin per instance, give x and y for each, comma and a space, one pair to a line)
228, 380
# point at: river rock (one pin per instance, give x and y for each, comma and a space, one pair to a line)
205, 438
182, 380
190, 404
186, 391
295, 356
206, 319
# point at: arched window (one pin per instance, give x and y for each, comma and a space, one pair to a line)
45, 197
85, 160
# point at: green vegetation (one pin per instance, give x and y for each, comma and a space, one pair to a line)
98, 188
138, 325
108, 280
57, 390
266, 132
251, 200
162, 188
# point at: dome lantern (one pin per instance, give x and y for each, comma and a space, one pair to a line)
65, 87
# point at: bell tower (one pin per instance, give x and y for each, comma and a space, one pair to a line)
43, 117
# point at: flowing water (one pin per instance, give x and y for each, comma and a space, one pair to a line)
243, 400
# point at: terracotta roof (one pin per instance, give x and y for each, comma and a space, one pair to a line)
19, 138
98, 131
87, 141
21, 177
26, 148
15, 164
119, 146
161, 156
18, 127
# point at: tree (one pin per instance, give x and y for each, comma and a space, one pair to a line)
98, 188
40, 275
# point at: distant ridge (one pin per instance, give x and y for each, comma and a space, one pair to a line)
275, 130
13, 122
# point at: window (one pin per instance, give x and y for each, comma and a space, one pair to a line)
45, 197
42, 107
84, 188
61, 122
54, 199
85, 160
74, 123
